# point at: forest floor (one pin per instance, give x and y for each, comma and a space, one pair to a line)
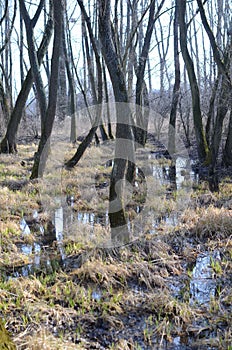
169, 288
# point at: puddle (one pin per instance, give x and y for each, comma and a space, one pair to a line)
143, 324
179, 174
168, 220
203, 285
24, 271
41, 256
59, 227
65, 220
24, 227
96, 295
28, 249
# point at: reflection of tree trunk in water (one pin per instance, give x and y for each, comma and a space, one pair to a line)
172, 179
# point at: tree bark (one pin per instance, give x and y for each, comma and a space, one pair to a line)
111, 136
72, 91
141, 120
92, 81
227, 152
35, 66
85, 143
118, 222
176, 87
42, 153
210, 114
222, 108
4, 102
202, 147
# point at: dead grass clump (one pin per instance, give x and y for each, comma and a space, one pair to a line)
156, 252
16, 203
101, 273
208, 222
163, 310
221, 341
146, 274
42, 339
146, 263
214, 222
27, 288
123, 344
9, 229
225, 193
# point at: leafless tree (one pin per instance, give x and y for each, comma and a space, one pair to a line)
41, 154
8, 144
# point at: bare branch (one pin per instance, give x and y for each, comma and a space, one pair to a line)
7, 38
37, 14
216, 53
5, 12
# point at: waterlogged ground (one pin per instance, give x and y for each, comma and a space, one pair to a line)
63, 285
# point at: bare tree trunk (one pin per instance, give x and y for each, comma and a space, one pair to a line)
4, 102
72, 109
176, 87
202, 147
185, 121
149, 74
111, 136
210, 115
85, 143
92, 82
142, 120
80, 150
132, 55
8, 144
46, 61
205, 64
41, 155
62, 91
6, 85
222, 108
223, 64
118, 222
21, 46
30, 24
195, 53
227, 152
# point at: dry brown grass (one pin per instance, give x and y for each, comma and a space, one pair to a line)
42, 339
211, 222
